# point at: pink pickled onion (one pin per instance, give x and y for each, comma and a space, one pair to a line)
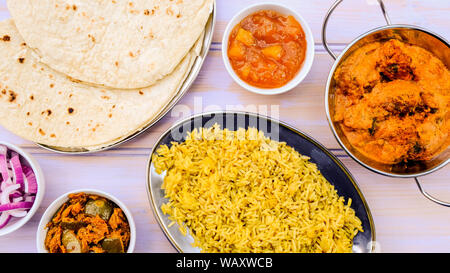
17, 199
30, 198
17, 170
18, 186
6, 184
4, 196
15, 206
4, 168
18, 213
16, 194
30, 180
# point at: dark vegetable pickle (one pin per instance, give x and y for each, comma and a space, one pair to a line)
71, 242
99, 207
113, 245
88, 223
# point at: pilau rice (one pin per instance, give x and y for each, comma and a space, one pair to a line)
239, 191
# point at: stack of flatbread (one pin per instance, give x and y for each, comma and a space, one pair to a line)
84, 74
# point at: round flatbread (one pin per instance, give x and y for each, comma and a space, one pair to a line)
119, 44
45, 106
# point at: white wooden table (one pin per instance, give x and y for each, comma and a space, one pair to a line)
404, 220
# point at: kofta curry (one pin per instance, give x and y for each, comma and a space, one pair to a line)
88, 223
392, 102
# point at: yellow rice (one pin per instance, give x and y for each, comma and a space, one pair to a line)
239, 191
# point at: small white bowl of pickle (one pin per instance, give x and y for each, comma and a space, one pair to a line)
86, 221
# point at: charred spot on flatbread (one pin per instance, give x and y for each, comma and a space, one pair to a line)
12, 96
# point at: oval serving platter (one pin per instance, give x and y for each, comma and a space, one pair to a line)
329, 165
189, 80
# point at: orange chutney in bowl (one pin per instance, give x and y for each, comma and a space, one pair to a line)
267, 49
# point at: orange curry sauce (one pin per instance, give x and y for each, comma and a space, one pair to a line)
267, 49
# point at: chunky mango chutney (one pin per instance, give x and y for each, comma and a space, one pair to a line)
267, 49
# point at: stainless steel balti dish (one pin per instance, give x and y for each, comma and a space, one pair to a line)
410, 34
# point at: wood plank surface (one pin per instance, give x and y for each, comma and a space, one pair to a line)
404, 220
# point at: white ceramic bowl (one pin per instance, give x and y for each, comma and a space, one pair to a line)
53, 208
16, 223
309, 57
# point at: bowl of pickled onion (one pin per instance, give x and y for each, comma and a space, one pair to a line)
22, 187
